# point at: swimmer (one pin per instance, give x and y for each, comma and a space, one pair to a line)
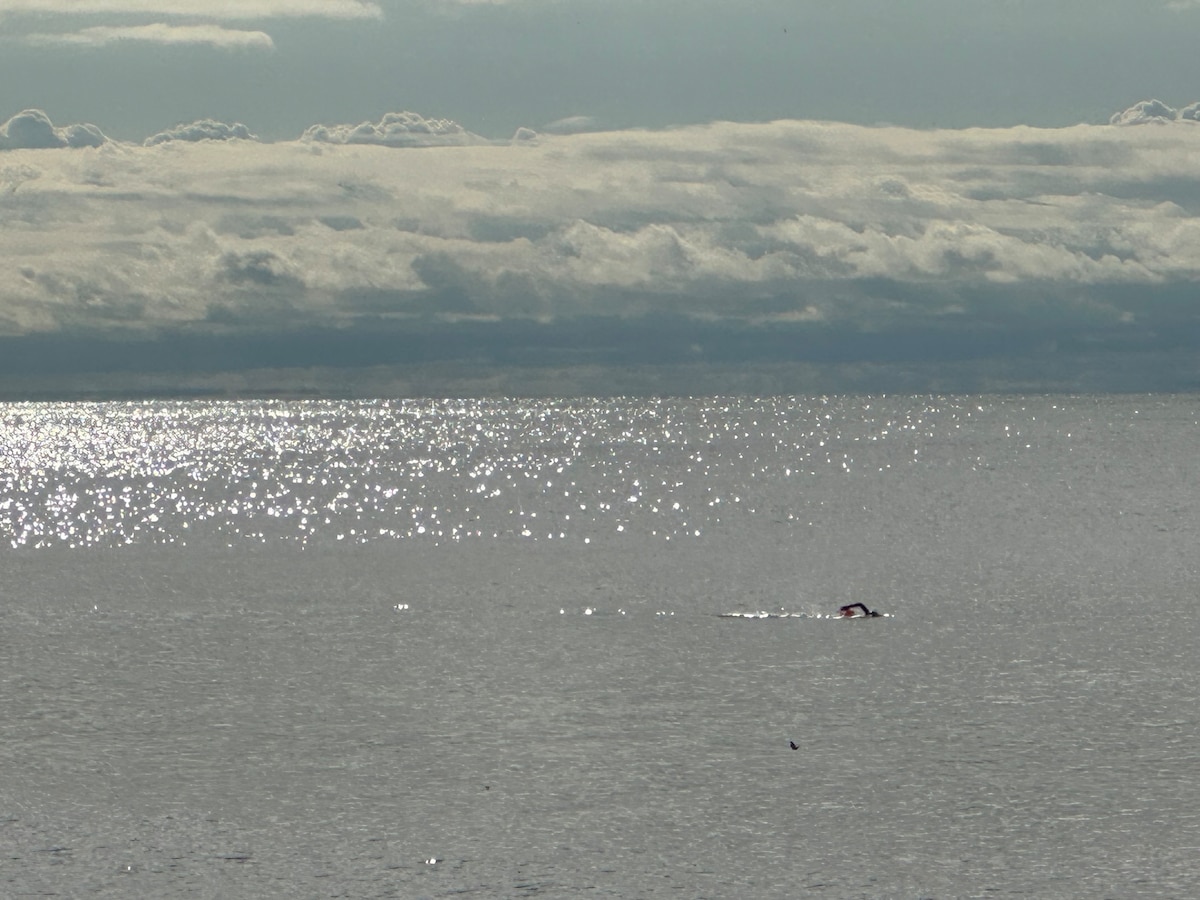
851, 611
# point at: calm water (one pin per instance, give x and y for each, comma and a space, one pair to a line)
427, 649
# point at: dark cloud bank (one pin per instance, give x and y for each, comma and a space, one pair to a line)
783, 258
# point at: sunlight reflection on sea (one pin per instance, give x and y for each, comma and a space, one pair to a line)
313, 472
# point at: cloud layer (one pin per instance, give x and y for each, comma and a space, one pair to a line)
790, 240
208, 9
202, 31
206, 35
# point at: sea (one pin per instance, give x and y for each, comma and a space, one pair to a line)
589, 648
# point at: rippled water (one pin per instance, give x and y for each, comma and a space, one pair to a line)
108, 475
307, 649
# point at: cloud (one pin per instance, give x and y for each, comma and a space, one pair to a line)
399, 129
572, 125
207, 9
202, 130
1190, 113
780, 241
209, 35
1155, 112
1145, 112
33, 130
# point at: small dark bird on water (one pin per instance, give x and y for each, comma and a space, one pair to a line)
792, 744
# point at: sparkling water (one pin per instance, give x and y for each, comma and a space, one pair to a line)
424, 649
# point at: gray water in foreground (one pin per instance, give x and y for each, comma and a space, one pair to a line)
432, 649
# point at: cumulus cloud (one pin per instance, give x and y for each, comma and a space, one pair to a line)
1155, 112
33, 130
206, 35
202, 130
208, 9
785, 238
398, 129
1145, 112
1190, 113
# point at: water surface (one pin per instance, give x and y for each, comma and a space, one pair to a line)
424, 649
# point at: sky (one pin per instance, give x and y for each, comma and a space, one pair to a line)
595, 196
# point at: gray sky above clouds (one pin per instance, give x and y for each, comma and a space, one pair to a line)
135, 67
915, 190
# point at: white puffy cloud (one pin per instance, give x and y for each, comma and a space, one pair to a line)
1145, 112
398, 129
1155, 112
158, 33
202, 130
33, 130
207, 9
1085, 232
